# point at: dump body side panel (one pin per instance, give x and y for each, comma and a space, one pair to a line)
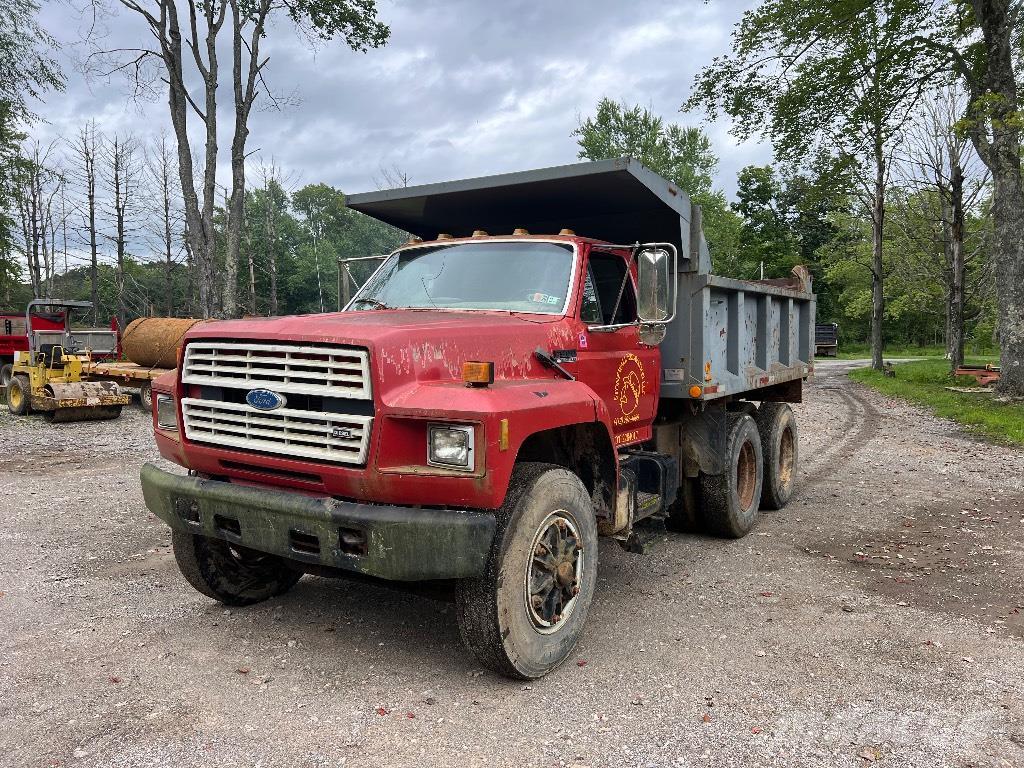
733, 337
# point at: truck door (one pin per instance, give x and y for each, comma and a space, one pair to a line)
610, 357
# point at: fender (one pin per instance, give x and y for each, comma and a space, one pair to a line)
529, 406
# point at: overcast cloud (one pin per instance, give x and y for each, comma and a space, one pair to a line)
464, 88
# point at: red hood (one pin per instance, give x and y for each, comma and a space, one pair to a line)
415, 345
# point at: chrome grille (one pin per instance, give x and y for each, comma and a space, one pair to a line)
303, 434
328, 371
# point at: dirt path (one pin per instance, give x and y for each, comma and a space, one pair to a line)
877, 619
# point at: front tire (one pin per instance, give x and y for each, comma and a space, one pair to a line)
19, 395
524, 616
231, 574
731, 500
777, 425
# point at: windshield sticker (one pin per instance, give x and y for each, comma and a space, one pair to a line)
545, 298
630, 386
583, 341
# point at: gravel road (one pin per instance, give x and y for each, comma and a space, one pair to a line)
879, 618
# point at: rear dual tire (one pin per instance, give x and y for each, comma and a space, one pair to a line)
776, 423
731, 500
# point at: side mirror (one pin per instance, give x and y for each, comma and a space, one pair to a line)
654, 272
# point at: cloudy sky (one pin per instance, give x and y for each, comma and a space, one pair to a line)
464, 87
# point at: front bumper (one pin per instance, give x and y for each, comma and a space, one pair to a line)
391, 542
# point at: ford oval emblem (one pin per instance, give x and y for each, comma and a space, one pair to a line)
265, 400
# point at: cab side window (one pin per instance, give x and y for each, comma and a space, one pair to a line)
605, 272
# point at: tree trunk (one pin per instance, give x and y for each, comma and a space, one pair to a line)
120, 194
270, 242
168, 243
995, 106
199, 230
877, 267
956, 295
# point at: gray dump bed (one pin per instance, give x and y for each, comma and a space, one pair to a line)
729, 336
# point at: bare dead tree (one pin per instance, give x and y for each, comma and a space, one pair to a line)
391, 177
940, 158
38, 184
121, 176
166, 225
85, 151
179, 55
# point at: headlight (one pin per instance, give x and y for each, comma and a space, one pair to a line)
166, 413
450, 446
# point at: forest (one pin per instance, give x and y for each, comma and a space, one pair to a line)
891, 126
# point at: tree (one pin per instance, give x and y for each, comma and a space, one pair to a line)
944, 182
269, 204
683, 155
180, 56
165, 224
323, 209
979, 41
38, 183
85, 151
121, 177
818, 78
27, 71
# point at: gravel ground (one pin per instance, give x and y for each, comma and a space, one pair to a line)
879, 618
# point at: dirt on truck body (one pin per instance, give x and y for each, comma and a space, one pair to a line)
547, 360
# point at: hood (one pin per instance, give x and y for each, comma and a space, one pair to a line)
427, 345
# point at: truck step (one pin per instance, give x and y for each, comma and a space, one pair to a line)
657, 481
642, 535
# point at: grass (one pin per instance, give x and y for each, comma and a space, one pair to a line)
924, 381
855, 351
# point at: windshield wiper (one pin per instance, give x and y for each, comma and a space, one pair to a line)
374, 302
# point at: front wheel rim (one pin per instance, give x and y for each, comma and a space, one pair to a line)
15, 396
554, 573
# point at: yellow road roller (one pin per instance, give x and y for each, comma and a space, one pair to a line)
47, 379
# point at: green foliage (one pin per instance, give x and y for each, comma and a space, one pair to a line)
353, 20
27, 68
313, 230
925, 381
681, 154
27, 72
809, 74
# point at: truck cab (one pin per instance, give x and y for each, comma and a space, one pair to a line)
546, 360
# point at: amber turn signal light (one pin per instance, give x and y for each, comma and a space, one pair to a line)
478, 374
696, 391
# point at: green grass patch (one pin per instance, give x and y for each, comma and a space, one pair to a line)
861, 351
924, 381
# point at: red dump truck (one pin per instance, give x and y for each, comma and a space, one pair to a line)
547, 360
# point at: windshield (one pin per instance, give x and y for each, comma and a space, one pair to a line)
516, 277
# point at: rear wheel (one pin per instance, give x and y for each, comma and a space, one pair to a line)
18, 395
729, 502
6, 372
777, 425
231, 574
524, 616
146, 397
